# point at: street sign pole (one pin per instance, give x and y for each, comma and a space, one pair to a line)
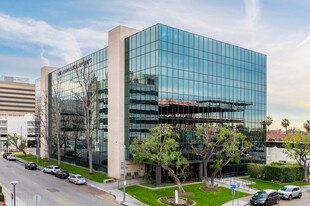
238, 185
233, 187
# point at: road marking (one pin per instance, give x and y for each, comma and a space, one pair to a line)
61, 198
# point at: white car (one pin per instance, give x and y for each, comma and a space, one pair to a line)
289, 192
77, 179
51, 169
11, 157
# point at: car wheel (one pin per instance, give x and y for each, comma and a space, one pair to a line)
277, 201
75, 183
299, 195
290, 197
44, 171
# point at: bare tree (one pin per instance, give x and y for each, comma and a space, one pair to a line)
56, 114
87, 81
43, 119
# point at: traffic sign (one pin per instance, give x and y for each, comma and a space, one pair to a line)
36, 199
233, 186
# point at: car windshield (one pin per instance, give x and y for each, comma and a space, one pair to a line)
80, 177
261, 195
56, 167
286, 189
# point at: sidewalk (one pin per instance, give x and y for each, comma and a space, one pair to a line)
112, 188
7, 194
244, 201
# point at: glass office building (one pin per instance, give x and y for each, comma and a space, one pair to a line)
170, 77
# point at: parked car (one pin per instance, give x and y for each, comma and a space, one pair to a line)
5, 155
289, 192
73, 154
77, 179
51, 169
11, 157
265, 197
31, 166
62, 174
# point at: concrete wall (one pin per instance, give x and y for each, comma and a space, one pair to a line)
44, 100
116, 104
275, 154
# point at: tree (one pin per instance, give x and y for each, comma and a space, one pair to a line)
43, 119
162, 148
285, 123
269, 121
298, 148
87, 81
307, 126
205, 146
233, 145
56, 114
19, 142
7, 144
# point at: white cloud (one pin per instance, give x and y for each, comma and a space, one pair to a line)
64, 43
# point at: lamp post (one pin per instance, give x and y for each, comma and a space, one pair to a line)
14, 183
124, 166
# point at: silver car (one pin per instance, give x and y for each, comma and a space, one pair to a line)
51, 169
289, 192
77, 179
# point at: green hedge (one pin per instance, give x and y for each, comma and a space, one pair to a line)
256, 170
1, 197
280, 172
0, 189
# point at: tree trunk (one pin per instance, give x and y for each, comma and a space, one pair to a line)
213, 176
305, 168
24, 153
205, 173
177, 180
90, 157
58, 149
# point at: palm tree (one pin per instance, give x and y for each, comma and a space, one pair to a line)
285, 123
307, 125
269, 121
7, 144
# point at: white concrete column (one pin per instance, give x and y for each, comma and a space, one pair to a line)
44, 94
116, 98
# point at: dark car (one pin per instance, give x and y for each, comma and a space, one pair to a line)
265, 198
31, 166
5, 155
62, 174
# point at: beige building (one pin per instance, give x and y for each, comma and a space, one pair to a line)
16, 96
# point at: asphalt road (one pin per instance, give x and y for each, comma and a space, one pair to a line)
303, 201
53, 191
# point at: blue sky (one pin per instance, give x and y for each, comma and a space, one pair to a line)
37, 33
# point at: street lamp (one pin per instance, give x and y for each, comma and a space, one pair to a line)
124, 165
14, 183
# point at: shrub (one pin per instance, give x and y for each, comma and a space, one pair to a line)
0, 189
1, 197
256, 170
279, 171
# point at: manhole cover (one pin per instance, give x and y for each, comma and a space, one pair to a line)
53, 190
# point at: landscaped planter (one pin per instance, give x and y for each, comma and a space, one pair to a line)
183, 201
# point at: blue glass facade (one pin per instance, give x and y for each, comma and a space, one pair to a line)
183, 79
73, 139
171, 77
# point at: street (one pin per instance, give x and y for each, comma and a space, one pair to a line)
52, 191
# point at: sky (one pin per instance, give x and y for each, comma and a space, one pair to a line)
36, 33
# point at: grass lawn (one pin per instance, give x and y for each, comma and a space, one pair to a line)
99, 177
153, 184
261, 184
201, 197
